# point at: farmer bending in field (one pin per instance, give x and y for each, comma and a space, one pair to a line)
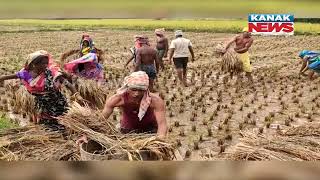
162, 46
243, 42
147, 61
42, 78
88, 63
142, 111
179, 51
310, 60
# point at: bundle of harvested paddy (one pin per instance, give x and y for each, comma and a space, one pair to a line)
262, 147
34, 143
310, 129
230, 60
24, 102
84, 115
92, 91
83, 120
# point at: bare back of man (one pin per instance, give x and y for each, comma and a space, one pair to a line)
147, 61
241, 43
162, 43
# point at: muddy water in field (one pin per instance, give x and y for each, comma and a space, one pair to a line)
210, 110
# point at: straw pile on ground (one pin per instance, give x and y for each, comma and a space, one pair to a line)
92, 91
113, 141
310, 129
230, 61
298, 145
34, 143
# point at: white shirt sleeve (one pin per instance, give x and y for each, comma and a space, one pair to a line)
190, 44
172, 45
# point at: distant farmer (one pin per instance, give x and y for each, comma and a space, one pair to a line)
42, 78
134, 49
311, 61
162, 45
147, 61
179, 51
88, 62
242, 44
142, 111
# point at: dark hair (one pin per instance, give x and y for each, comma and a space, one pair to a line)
179, 36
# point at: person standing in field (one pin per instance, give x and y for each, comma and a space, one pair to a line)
147, 61
162, 46
243, 43
179, 53
133, 50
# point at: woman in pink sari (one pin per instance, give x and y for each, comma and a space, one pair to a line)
88, 63
42, 78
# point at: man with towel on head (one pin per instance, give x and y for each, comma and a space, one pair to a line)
162, 45
147, 60
142, 111
243, 42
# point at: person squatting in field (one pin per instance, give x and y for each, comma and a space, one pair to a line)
147, 61
310, 61
88, 65
162, 46
142, 111
43, 79
179, 53
243, 43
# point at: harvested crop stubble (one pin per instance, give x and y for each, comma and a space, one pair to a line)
84, 120
262, 147
34, 143
230, 61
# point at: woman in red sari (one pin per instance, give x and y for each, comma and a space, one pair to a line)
43, 79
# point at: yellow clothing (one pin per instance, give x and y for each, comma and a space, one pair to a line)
244, 57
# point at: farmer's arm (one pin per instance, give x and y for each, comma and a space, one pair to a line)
68, 85
111, 103
230, 42
171, 51
8, 77
192, 53
305, 68
166, 48
65, 55
159, 112
157, 60
138, 60
129, 60
100, 55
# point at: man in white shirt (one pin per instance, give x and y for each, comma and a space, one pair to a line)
179, 53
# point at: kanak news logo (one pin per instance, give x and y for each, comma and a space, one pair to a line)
271, 24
